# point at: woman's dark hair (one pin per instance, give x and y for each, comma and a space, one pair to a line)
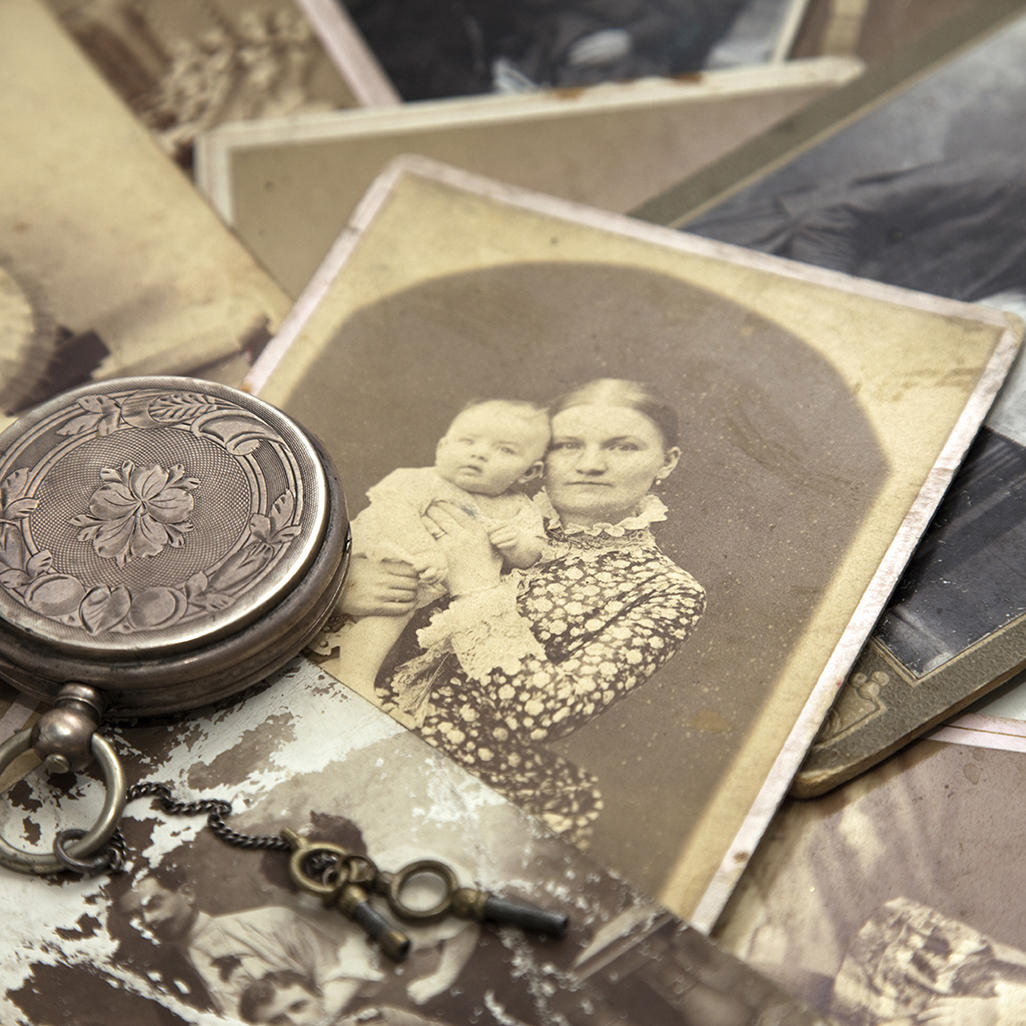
635, 395
170, 874
260, 993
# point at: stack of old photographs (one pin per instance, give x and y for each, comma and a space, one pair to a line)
650, 525
924, 191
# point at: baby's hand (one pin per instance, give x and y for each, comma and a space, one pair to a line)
504, 537
961, 1011
431, 567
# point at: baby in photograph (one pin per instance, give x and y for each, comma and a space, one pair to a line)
490, 450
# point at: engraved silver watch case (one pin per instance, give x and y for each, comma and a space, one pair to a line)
164, 543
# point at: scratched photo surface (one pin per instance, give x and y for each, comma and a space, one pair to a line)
477, 47
878, 903
194, 931
674, 650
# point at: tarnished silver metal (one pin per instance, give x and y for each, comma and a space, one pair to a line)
164, 543
62, 735
167, 541
96, 836
110, 858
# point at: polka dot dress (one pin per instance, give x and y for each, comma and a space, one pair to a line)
608, 611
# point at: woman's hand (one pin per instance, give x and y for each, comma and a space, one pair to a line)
474, 564
379, 587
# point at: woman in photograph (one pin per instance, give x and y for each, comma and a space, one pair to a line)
603, 606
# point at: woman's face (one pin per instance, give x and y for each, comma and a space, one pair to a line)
602, 462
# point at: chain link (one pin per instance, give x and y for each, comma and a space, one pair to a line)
112, 857
315, 866
215, 809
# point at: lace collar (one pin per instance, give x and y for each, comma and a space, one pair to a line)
652, 510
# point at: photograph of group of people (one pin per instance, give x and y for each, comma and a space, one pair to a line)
195, 930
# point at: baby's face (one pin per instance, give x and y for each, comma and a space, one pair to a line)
488, 449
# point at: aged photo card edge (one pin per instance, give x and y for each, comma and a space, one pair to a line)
349, 53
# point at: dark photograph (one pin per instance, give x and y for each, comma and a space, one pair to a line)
475, 46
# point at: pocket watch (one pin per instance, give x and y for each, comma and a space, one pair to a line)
165, 543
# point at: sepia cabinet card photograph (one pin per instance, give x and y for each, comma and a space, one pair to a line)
924, 191
886, 901
110, 264
626, 502
288, 185
478, 47
186, 67
197, 932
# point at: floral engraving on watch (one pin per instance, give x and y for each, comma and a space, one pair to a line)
138, 511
